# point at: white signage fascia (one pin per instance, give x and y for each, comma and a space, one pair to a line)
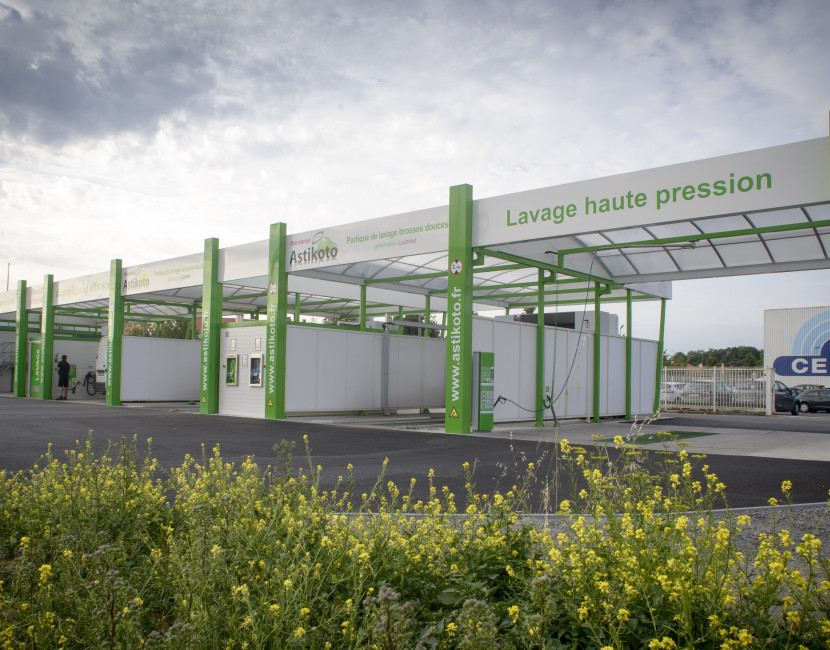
765, 179
243, 261
412, 233
35, 297
655, 289
88, 287
174, 273
8, 302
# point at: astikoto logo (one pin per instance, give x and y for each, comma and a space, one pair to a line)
322, 249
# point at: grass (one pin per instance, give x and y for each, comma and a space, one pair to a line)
100, 551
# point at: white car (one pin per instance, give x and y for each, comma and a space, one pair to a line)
670, 391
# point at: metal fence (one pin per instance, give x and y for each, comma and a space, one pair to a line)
715, 389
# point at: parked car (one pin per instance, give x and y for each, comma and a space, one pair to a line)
704, 392
801, 388
670, 391
814, 400
751, 393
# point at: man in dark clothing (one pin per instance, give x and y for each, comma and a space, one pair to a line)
63, 378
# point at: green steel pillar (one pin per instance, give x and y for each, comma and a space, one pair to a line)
628, 359
658, 375
297, 306
115, 334
277, 328
540, 350
362, 307
427, 314
458, 397
46, 364
211, 321
400, 318
597, 349
21, 341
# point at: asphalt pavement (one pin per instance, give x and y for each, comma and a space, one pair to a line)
752, 455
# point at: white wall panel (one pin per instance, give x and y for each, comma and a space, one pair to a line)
241, 399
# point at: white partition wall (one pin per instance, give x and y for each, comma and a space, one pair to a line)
155, 369
416, 372
340, 371
331, 370
568, 359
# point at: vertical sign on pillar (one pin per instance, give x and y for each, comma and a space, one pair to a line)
277, 329
211, 320
115, 333
21, 341
46, 363
458, 398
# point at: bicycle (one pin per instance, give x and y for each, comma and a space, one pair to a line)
91, 385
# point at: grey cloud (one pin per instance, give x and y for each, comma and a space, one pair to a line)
55, 86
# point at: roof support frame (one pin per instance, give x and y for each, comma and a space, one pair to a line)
688, 239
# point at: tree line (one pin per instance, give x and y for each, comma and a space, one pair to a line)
743, 356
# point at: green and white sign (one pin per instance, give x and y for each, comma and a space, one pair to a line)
88, 287
413, 233
458, 400
765, 179
275, 352
167, 274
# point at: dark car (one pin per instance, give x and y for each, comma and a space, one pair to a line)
814, 400
803, 388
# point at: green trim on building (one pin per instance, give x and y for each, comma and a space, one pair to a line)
458, 399
115, 334
211, 320
276, 331
362, 307
21, 341
47, 338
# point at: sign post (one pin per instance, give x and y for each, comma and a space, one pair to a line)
458, 398
276, 329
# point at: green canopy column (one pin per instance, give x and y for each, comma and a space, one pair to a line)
658, 375
21, 342
115, 334
277, 329
362, 307
211, 321
628, 359
46, 363
597, 349
427, 314
458, 398
540, 350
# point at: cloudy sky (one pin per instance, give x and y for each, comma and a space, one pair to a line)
135, 129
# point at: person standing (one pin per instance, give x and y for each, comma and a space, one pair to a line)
63, 378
